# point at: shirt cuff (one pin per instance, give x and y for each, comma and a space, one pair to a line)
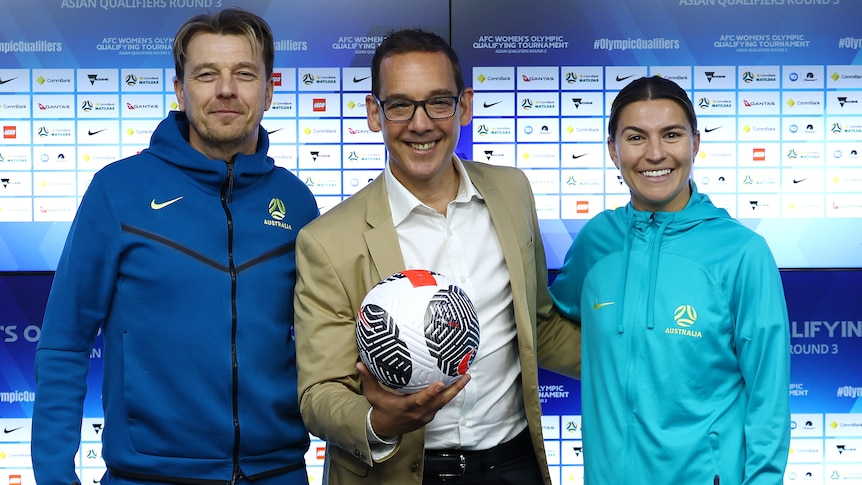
381, 448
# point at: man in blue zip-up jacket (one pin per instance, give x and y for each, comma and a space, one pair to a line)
686, 340
183, 257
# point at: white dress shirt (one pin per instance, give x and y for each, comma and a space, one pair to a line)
464, 246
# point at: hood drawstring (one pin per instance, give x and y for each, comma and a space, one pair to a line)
627, 245
655, 250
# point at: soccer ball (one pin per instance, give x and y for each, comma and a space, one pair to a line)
416, 327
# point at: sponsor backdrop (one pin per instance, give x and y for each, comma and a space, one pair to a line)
777, 85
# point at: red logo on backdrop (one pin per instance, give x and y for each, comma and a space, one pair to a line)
276, 78
319, 104
10, 132
582, 207
14, 479
320, 452
759, 154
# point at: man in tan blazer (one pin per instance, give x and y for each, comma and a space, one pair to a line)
476, 223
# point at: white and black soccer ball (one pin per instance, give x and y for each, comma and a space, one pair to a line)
417, 327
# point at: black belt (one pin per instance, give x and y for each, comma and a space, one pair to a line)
455, 463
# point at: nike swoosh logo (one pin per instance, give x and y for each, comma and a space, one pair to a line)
360, 79
91, 132
623, 78
488, 105
578, 156
707, 130
161, 205
7, 430
598, 305
796, 181
4, 81
274, 131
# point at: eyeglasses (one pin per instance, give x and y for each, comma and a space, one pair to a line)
437, 108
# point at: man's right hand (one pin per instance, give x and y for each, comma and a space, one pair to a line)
395, 414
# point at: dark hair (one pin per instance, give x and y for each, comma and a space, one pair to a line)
649, 88
230, 21
412, 40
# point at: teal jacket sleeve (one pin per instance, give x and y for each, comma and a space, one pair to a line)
762, 336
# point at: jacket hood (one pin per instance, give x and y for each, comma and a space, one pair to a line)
170, 143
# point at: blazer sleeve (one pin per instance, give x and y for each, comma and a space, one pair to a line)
330, 398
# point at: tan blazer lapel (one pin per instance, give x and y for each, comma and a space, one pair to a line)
381, 238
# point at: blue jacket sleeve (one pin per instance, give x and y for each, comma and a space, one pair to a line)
80, 298
763, 348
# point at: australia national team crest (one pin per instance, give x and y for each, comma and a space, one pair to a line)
685, 317
277, 212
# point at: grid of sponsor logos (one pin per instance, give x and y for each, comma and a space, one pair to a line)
60, 126
777, 141
824, 448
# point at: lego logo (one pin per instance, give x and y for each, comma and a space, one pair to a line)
10, 132
319, 104
320, 452
276, 78
14, 479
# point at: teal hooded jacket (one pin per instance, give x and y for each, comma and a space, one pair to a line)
686, 348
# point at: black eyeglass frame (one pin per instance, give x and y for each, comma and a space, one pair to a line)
417, 104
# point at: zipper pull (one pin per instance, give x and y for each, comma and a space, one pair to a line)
229, 182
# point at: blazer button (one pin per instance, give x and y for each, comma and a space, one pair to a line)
414, 467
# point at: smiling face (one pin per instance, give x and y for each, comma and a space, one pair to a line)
224, 94
654, 148
420, 150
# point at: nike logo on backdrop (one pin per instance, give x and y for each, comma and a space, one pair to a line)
488, 105
161, 205
623, 78
91, 132
598, 305
708, 130
360, 79
7, 430
4, 81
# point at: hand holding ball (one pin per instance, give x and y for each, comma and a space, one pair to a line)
417, 327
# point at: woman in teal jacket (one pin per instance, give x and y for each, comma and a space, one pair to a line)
686, 361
